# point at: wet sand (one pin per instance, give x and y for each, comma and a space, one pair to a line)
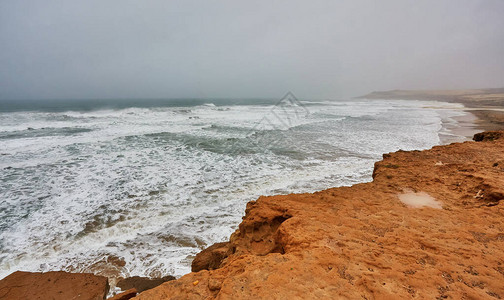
489, 118
485, 108
477, 119
465, 128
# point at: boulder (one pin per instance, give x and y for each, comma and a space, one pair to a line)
125, 295
488, 136
142, 283
211, 258
53, 285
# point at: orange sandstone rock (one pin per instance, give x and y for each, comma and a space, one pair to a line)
363, 242
53, 285
142, 283
126, 295
211, 258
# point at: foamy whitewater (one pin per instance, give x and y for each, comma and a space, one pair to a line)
154, 185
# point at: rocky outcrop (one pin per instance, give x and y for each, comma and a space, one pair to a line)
53, 285
488, 136
212, 257
126, 295
366, 241
141, 283
64, 285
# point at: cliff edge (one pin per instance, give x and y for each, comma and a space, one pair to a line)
429, 225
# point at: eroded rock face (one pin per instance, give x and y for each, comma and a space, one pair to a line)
362, 242
258, 235
126, 295
212, 257
53, 285
142, 283
488, 136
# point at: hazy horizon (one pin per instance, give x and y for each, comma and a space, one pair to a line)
226, 49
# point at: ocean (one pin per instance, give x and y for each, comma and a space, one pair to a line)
138, 187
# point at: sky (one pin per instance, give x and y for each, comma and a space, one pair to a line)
244, 49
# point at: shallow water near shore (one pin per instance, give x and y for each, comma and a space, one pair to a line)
123, 190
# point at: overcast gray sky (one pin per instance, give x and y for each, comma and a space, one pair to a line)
317, 49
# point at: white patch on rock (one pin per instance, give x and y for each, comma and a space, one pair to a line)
420, 199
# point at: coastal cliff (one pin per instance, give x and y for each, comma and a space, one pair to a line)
429, 225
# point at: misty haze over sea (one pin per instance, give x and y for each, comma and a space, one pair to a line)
227, 49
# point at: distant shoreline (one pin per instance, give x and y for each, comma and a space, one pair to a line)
486, 104
466, 127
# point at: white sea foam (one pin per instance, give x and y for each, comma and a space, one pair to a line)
154, 186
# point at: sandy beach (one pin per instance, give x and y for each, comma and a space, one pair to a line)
465, 128
488, 118
485, 107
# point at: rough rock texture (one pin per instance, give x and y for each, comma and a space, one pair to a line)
212, 257
488, 136
142, 283
126, 295
54, 286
